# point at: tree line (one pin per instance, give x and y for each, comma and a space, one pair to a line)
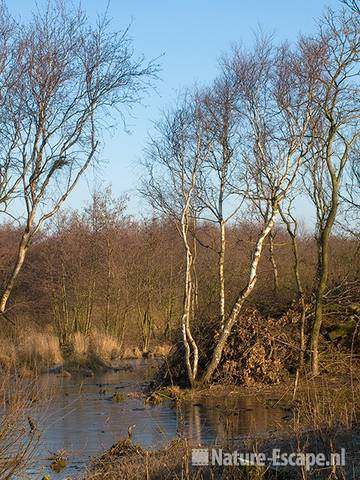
101, 270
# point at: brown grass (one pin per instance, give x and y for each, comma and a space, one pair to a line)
79, 344
19, 436
127, 461
38, 350
134, 352
94, 350
7, 354
103, 348
162, 350
131, 353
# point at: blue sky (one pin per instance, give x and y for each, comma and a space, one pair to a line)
190, 35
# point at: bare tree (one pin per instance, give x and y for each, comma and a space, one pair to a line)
221, 201
72, 76
10, 72
275, 109
104, 217
174, 158
352, 4
335, 133
350, 195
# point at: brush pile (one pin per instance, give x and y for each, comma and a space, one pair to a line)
260, 349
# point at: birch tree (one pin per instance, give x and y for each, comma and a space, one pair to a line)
174, 157
350, 195
221, 201
275, 108
71, 75
9, 134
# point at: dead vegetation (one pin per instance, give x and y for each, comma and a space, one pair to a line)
264, 349
95, 350
59, 460
168, 393
38, 351
130, 462
19, 434
174, 462
324, 419
30, 351
260, 349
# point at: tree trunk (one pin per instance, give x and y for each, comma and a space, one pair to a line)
186, 317
244, 293
323, 267
147, 330
221, 275
273, 263
301, 299
299, 286
188, 340
20, 259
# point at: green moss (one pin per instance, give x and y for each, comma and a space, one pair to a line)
342, 330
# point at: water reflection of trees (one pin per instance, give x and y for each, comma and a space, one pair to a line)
225, 420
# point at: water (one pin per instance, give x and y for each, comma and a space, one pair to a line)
85, 423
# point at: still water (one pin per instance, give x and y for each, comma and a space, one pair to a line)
85, 421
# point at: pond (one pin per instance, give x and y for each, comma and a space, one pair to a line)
82, 418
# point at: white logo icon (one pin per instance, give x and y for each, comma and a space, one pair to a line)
200, 456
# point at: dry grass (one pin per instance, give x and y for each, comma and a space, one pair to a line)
127, 461
19, 436
162, 350
103, 348
79, 344
38, 350
7, 354
131, 353
134, 352
96, 349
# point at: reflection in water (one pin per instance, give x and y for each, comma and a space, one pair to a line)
82, 420
230, 420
